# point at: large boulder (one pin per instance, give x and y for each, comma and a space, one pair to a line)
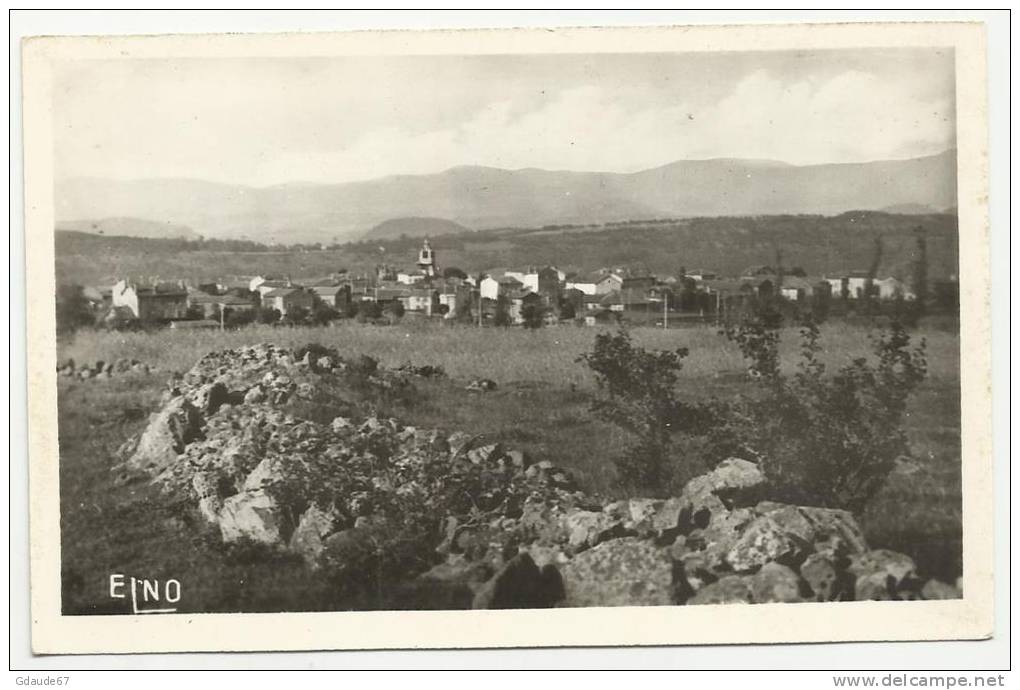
731, 589
824, 580
775, 583
309, 536
882, 575
210, 397
718, 540
521, 584
619, 572
936, 589
766, 539
251, 515
169, 431
733, 483
788, 534
587, 528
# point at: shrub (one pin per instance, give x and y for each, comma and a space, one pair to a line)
638, 395
533, 316
827, 440
502, 315
73, 309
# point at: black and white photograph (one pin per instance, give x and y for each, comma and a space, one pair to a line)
474, 323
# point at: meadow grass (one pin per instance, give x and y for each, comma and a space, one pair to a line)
513, 354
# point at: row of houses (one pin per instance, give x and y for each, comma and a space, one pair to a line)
591, 297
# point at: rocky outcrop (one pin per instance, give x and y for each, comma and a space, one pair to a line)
268, 448
622, 572
102, 369
169, 432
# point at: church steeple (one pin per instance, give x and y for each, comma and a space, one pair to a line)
427, 260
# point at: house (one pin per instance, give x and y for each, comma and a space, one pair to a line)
405, 278
233, 301
796, 289
611, 282
387, 294
852, 285
451, 298
336, 297
857, 284
492, 288
159, 302
232, 284
286, 299
591, 303
264, 284
519, 299
612, 301
837, 285
700, 274
893, 288
588, 283
424, 300
199, 299
760, 284
637, 283
544, 281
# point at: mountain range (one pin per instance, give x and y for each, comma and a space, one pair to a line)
484, 197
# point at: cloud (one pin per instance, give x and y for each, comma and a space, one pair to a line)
311, 125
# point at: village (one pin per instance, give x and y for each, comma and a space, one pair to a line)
535, 296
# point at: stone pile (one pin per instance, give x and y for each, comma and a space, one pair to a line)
228, 436
102, 369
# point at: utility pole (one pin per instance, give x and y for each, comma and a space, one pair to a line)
221, 318
665, 310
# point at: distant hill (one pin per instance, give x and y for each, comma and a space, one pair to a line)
414, 227
482, 197
727, 245
131, 227
910, 209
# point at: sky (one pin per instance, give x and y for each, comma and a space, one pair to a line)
271, 121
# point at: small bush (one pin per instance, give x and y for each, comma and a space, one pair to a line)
826, 440
638, 389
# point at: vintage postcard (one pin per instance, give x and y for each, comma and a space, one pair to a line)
508, 338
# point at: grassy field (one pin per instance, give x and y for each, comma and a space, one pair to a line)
504, 355
541, 405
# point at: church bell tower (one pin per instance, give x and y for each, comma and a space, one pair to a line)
427, 260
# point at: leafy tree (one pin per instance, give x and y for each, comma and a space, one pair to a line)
73, 310
463, 312
322, 313
236, 318
502, 316
454, 272
368, 311
267, 315
394, 310
297, 315
637, 393
533, 315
